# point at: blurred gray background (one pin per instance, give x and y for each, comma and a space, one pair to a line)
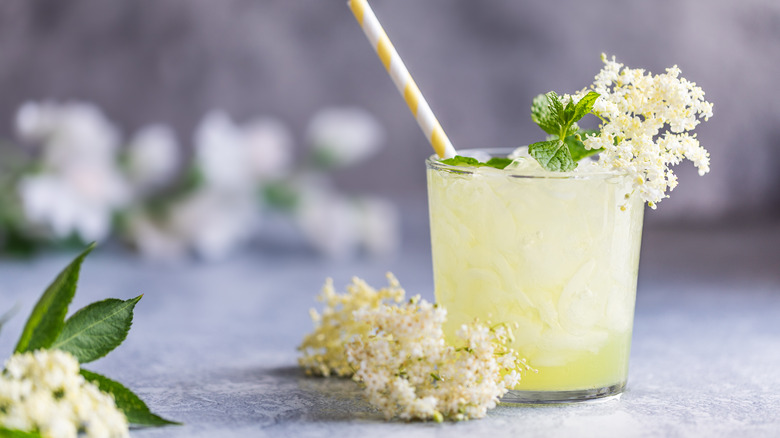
479, 63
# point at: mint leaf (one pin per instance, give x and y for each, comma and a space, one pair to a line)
14, 433
568, 114
130, 404
48, 316
498, 162
95, 330
543, 115
585, 105
556, 108
565, 148
553, 155
460, 160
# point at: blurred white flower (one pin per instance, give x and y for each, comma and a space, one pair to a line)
237, 158
380, 227
154, 239
79, 187
152, 157
338, 226
214, 223
80, 199
209, 223
330, 222
344, 136
68, 133
269, 146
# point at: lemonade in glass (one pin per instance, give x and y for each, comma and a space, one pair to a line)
552, 254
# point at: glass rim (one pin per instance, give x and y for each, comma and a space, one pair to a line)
433, 162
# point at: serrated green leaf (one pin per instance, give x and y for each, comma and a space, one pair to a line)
552, 155
14, 433
577, 148
498, 162
459, 160
585, 105
543, 115
556, 106
98, 328
130, 404
568, 114
48, 316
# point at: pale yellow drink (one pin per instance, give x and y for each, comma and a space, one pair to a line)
555, 255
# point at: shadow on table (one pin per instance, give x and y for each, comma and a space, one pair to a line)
296, 397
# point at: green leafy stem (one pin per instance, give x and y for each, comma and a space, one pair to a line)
89, 334
565, 148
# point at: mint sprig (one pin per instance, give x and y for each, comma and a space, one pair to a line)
460, 160
88, 334
562, 151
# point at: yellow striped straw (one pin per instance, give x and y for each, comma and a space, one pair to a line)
402, 79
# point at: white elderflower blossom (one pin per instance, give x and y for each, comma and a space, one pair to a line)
646, 123
43, 391
410, 372
323, 350
400, 355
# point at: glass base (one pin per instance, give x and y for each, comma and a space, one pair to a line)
580, 395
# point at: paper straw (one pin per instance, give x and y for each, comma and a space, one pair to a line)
402, 79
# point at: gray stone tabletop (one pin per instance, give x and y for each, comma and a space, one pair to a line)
213, 345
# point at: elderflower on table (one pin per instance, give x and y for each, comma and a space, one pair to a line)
646, 124
399, 353
43, 391
323, 350
410, 372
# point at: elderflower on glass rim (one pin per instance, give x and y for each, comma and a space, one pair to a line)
646, 124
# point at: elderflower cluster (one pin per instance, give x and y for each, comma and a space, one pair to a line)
399, 353
410, 372
323, 349
646, 125
43, 391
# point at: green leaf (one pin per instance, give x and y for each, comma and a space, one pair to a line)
577, 148
556, 107
95, 330
543, 115
460, 160
585, 105
499, 162
48, 316
130, 404
568, 114
553, 155
14, 433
